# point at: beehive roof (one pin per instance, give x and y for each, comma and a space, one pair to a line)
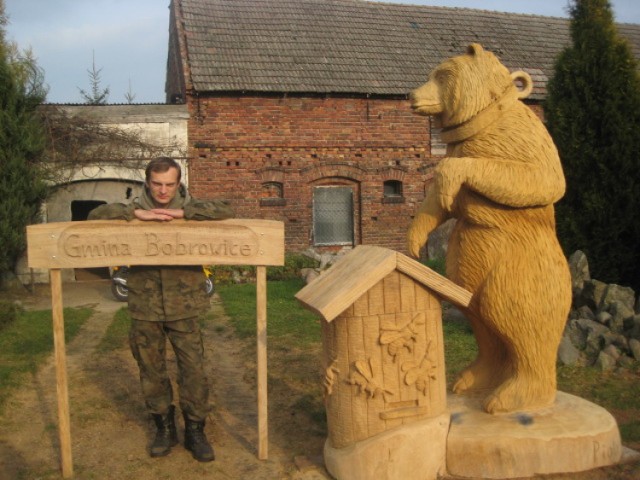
354, 274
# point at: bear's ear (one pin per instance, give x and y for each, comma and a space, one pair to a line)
523, 83
475, 49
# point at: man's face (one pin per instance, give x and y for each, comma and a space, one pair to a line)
163, 187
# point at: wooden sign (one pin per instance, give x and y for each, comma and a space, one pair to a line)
101, 243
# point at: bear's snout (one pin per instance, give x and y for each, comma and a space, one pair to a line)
425, 100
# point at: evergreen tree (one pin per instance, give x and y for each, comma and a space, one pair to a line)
21, 144
593, 114
130, 96
97, 96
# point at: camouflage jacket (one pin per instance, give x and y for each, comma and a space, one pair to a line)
166, 293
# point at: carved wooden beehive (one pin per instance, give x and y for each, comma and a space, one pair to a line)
382, 339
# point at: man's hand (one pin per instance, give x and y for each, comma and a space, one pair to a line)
159, 214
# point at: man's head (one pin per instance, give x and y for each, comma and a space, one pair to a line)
163, 180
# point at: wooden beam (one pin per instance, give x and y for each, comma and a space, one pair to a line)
444, 287
64, 424
347, 280
101, 243
261, 336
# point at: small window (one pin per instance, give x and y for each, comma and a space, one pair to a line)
271, 190
393, 188
272, 195
393, 192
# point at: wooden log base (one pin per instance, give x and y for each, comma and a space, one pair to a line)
573, 435
415, 451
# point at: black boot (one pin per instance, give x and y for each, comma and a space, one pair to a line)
196, 441
166, 435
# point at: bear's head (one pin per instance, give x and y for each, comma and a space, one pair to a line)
463, 86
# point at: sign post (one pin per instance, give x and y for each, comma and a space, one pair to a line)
100, 243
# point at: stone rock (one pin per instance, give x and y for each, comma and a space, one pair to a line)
634, 346
619, 313
616, 293
567, 353
592, 293
604, 318
595, 340
605, 362
621, 342
576, 334
625, 361
612, 351
236, 277
609, 338
309, 274
631, 322
591, 326
453, 314
579, 268
326, 259
632, 327
586, 312
438, 240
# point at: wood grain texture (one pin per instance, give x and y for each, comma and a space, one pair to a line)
360, 270
100, 243
62, 388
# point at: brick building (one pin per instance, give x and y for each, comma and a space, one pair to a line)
298, 109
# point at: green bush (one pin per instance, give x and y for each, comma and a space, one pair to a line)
293, 263
593, 114
436, 264
224, 274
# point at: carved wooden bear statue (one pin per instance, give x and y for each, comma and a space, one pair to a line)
499, 179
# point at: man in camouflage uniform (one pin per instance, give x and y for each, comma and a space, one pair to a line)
165, 303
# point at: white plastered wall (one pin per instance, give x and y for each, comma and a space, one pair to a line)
161, 125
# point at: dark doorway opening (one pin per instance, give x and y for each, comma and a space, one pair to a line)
80, 211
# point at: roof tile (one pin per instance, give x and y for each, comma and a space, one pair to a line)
357, 46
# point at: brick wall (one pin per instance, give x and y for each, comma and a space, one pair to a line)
237, 144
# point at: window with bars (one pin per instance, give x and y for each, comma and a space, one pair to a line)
333, 215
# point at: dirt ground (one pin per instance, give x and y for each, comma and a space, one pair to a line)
110, 429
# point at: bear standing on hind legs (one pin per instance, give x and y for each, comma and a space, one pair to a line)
499, 179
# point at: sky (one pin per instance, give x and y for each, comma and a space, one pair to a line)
128, 40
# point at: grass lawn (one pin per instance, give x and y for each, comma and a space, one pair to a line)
295, 355
295, 342
27, 341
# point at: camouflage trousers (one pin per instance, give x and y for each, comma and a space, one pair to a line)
148, 341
